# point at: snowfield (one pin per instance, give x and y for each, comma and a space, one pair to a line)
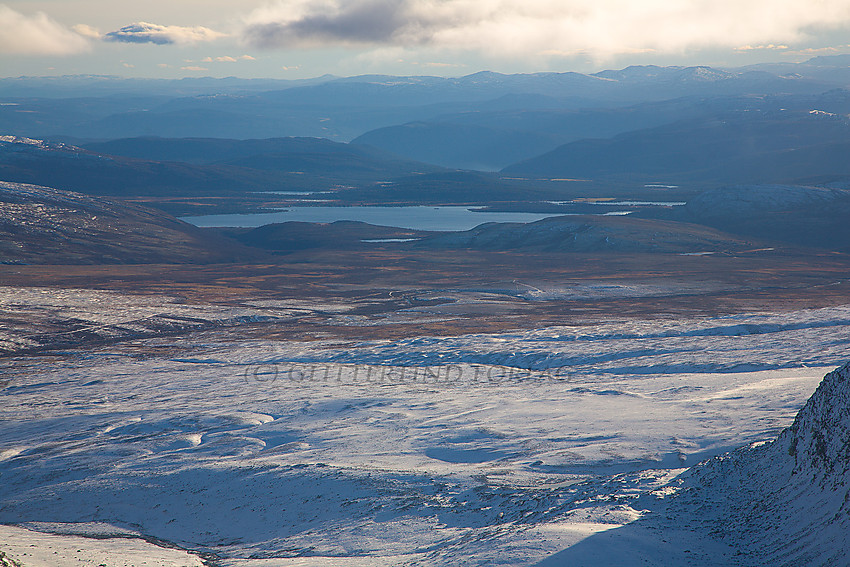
559, 446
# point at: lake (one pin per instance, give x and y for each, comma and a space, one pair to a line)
444, 218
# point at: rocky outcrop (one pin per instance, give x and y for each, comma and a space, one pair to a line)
786, 502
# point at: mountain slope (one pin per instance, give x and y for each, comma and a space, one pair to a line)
294, 235
589, 234
466, 146
41, 225
305, 156
178, 174
494, 138
797, 215
787, 502
26, 160
209, 151
442, 187
737, 147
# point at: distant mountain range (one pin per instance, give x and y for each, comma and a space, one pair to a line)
493, 138
91, 107
540, 142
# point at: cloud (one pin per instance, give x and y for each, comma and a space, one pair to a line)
36, 35
768, 47
816, 50
194, 68
227, 59
342, 21
87, 31
600, 28
439, 64
144, 32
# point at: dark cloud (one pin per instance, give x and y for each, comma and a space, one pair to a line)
363, 21
144, 32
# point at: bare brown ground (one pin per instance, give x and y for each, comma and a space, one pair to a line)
383, 286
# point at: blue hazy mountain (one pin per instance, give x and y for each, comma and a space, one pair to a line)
807, 140
341, 108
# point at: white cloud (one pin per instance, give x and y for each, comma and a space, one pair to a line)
87, 31
599, 28
227, 59
768, 47
36, 35
828, 50
438, 64
145, 32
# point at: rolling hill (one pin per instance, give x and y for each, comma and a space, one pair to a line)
796, 215
590, 234
779, 146
494, 138
41, 225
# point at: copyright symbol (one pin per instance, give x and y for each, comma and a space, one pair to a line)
261, 373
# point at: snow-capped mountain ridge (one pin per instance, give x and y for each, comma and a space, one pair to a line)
819, 439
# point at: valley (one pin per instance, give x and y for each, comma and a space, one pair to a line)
536, 319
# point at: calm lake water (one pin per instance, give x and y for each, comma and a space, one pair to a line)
418, 218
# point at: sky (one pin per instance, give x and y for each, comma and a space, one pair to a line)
307, 38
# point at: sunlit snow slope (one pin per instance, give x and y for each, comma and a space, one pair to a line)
516, 448
788, 502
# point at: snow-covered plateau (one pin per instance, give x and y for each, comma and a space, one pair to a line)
558, 446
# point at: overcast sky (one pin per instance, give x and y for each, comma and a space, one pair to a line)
307, 38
